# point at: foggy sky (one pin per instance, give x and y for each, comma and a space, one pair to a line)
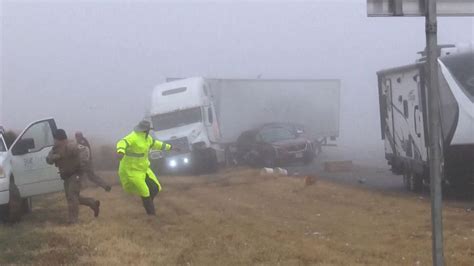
92, 65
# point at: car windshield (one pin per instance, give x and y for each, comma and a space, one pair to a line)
462, 68
276, 134
177, 118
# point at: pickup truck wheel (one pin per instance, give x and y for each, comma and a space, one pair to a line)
27, 205
15, 209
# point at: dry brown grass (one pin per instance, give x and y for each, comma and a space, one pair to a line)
240, 218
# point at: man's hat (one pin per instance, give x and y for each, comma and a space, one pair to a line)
60, 134
143, 126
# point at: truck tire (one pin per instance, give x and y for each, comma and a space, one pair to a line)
211, 161
413, 182
27, 205
15, 210
229, 158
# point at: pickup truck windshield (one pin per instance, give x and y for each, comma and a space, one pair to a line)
177, 119
462, 68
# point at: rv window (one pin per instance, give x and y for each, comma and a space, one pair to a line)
405, 108
173, 91
209, 114
461, 67
2, 145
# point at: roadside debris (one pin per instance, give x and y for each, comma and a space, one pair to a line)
274, 171
309, 180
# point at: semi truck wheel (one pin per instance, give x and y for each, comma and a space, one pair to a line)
211, 161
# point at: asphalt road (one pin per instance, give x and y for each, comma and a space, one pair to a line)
370, 171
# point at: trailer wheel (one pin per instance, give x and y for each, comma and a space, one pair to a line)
414, 182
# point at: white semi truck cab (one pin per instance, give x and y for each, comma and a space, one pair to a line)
182, 113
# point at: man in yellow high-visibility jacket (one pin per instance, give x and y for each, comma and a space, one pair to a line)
134, 170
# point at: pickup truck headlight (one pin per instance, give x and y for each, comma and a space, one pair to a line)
2, 173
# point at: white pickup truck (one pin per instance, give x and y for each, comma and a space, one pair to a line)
24, 172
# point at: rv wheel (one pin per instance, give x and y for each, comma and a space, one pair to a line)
414, 182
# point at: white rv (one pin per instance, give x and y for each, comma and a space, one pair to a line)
203, 116
24, 172
404, 121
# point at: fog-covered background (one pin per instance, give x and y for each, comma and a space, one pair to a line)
92, 64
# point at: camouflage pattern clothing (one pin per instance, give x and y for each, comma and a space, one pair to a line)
66, 156
87, 167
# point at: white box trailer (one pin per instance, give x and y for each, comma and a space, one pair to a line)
404, 123
203, 116
244, 104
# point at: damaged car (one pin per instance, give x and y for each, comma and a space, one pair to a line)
273, 145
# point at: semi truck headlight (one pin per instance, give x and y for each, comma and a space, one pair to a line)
185, 160
173, 163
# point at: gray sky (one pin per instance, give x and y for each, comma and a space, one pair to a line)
92, 65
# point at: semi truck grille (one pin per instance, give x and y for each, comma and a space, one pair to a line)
181, 143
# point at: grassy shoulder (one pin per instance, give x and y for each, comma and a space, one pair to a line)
239, 218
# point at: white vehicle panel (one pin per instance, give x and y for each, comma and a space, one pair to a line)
33, 176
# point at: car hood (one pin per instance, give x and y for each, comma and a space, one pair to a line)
289, 143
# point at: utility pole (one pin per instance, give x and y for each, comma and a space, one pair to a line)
435, 136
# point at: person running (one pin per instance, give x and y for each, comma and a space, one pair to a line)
87, 166
135, 174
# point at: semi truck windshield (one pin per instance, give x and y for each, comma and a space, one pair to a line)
177, 118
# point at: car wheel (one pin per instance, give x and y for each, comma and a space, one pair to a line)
269, 161
308, 157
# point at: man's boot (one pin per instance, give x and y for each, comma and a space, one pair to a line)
96, 209
149, 206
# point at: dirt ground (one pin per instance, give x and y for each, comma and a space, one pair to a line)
240, 218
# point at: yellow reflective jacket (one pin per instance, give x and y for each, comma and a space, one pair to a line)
135, 166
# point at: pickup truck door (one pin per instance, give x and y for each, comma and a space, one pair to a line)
33, 176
